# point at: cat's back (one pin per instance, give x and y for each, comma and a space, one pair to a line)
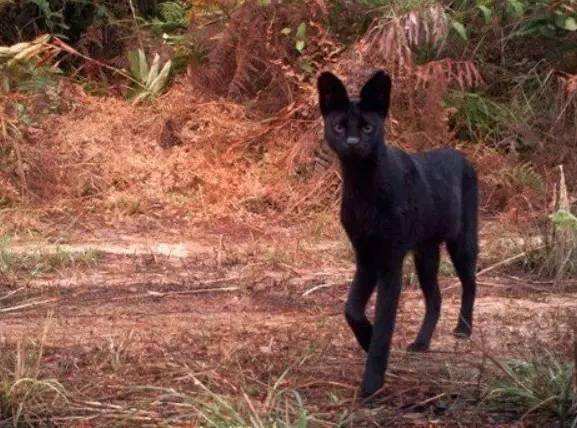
444, 173
442, 167
443, 159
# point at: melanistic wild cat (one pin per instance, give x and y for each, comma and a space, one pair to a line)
394, 203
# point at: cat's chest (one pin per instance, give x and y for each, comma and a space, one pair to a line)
362, 217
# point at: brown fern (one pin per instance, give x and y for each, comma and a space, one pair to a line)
462, 74
391, 41
566, 102
253, 60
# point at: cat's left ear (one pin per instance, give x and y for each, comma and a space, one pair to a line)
376, 94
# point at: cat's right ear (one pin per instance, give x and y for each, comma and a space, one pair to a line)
332, 93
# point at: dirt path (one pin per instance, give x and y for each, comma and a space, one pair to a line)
132, 247
162, 315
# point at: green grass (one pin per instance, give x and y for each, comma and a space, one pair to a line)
478, 117
41, 262
540, 389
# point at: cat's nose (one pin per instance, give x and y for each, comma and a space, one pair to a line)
351, 141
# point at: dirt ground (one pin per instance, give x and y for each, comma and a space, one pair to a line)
223, 331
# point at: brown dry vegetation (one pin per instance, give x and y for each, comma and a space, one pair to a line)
103, 156
226, 173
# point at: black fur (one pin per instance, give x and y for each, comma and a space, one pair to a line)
394, 203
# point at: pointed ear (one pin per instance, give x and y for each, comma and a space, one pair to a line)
376, 94
332, 93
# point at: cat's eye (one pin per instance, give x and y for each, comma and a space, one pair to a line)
367, 128
339, 127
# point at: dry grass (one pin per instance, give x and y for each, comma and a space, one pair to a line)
27, 396
566, 103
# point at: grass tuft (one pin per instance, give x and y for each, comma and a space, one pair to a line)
539, 388
27, 396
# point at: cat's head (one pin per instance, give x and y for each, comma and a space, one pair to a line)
354, 128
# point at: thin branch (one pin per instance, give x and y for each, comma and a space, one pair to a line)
159, 295
66, 47
509, 260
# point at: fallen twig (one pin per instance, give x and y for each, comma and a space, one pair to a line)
160, 294
11, 293
197, 291
498, 285
26, 305
425, 402
327, 382
508, 260
318, 287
